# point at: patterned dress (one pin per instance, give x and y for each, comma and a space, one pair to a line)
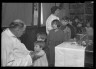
42, 61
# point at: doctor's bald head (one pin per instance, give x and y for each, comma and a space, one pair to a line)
18, 27
17, 24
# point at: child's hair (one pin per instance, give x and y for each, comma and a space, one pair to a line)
40, 43
57, 22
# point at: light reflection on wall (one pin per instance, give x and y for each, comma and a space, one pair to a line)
41, 14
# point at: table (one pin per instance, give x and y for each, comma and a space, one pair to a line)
69, 55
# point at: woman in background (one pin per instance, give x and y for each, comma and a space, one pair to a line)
55, 37
54, 15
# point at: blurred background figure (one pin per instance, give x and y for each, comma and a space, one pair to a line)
76, 21
89, 30
79, 28
72, 28
54, 15
41, 36
65, 28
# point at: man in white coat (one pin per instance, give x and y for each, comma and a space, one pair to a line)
13, 52
54, 15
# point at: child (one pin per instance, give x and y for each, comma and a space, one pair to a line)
72, 28
38, 52
76, 21
89, 31
41, 37
55, 37
79, 28
65, 28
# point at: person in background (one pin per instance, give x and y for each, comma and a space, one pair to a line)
40, 59
83, 27
13, 52
54, 15
72, 28
41, 37
55, 37
89, 30
76, 21
79, 28
65, 28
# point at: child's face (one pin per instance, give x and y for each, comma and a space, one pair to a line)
54, 26
76, 20
64, 22
39, 38
37, 47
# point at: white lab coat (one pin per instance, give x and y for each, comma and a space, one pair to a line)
13, 53
48, 22
42, 61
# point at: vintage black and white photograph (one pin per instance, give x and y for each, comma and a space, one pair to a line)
47, 34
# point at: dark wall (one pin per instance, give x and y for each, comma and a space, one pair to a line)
29, 37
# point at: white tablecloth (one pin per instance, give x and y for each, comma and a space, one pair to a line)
69, 55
